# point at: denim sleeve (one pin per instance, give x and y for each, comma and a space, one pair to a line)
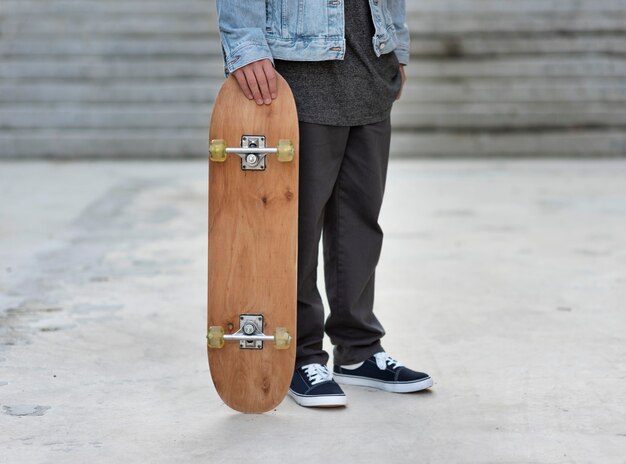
242, 25
397, 8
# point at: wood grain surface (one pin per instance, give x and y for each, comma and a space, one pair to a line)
253, 248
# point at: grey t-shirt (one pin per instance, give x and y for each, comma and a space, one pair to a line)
358, 90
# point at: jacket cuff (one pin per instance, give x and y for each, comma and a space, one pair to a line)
403, 55
246, 53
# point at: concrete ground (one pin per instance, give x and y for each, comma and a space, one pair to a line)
506, 281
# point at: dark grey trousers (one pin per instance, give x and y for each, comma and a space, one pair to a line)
342, 181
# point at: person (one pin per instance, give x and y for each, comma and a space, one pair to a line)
344, 61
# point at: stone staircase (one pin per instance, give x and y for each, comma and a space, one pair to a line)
537, 78
107, 78
136, 78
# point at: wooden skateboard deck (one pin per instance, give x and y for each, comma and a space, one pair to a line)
253, 236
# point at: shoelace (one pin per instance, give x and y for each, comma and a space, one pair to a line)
383, 360
317, 373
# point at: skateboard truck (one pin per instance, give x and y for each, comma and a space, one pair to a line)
252, 151
250, 334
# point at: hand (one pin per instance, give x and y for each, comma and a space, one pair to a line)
257, 81
403, 76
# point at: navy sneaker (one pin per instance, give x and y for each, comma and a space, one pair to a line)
313, 385
383, 372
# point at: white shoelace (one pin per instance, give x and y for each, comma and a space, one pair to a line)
317, 373
383, 360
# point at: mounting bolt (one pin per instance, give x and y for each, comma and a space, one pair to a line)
252, 159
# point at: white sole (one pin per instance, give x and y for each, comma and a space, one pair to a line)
319, 401
393, 387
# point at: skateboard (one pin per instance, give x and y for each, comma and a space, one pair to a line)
253, 236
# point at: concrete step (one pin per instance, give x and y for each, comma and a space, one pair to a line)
111, 26
176, 144
60, 117
120, 91
94, 67
109, 69
473, 7
451, 47
455, 46
498, 116
96, 8
196, 48
514, 91
495, 23
98, 144
522, 67
493, 117
531, 144
502, 117
417, 90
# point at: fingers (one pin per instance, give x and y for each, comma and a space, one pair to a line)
253, 84
243, 84
270, 75
257, 81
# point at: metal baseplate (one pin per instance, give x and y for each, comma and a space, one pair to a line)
250, 325
252, 161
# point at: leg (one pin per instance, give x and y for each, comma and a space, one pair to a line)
352, 244
321, 152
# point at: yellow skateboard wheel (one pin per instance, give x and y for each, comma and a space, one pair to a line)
217, 150
285, 150
215, 337
282, 339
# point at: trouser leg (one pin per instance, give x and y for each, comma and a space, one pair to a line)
321, 152
342, 181
353, 242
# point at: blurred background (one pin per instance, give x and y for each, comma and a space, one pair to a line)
488, 78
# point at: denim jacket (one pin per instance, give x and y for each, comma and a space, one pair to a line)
303, 30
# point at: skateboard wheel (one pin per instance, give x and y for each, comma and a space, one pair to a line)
285, 150
217, 150
282, 339
215, 337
